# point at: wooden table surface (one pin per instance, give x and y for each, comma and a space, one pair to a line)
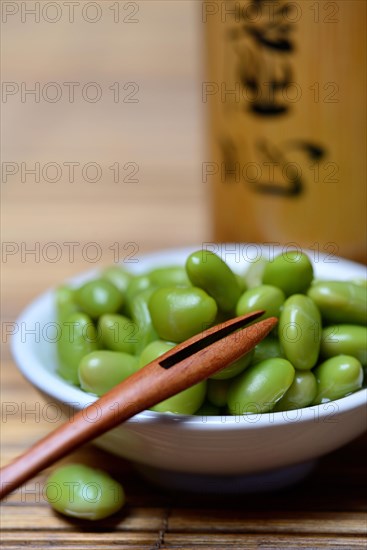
161, 138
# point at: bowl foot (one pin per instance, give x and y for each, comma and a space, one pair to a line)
270, 480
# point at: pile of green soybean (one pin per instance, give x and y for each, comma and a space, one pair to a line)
119, 322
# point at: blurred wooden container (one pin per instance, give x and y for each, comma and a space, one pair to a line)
285, 86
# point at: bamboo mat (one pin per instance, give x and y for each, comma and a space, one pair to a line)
167, 206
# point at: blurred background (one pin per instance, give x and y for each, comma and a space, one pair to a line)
103, 131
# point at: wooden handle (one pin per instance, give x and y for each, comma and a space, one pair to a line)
142, 390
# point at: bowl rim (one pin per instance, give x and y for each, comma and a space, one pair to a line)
48, 382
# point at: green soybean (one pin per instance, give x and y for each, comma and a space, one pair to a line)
255, 272
340, 301
234, 368
259, 388
185, 402
179, 313
241, 283
118, 276
266, 349
98, 297
78, 338
300, 331
207, 409
82, 492
337, 377
169, 276
360, 282
301, 393
292, 272
137, 285
100, 371
345, 340
217, 392
267, 297
153, 350
142, 318
208, 271
65, 303
118, 333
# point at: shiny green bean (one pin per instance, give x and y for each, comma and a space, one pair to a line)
345, 340
266, 349
100, 371
185, 402
300, 331
118, 276
179, 313
267, 297
142, 318
209, 272
137, 285
98, 297
82, 492
301, 393
118, 333
153, 350
259, 388
337, 377
78, 338
292, 272
169, 276
254, 274
65, 303
234, 368
340, 301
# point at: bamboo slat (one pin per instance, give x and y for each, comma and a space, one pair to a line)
261, 542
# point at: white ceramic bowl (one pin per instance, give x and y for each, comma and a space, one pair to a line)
251, 452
